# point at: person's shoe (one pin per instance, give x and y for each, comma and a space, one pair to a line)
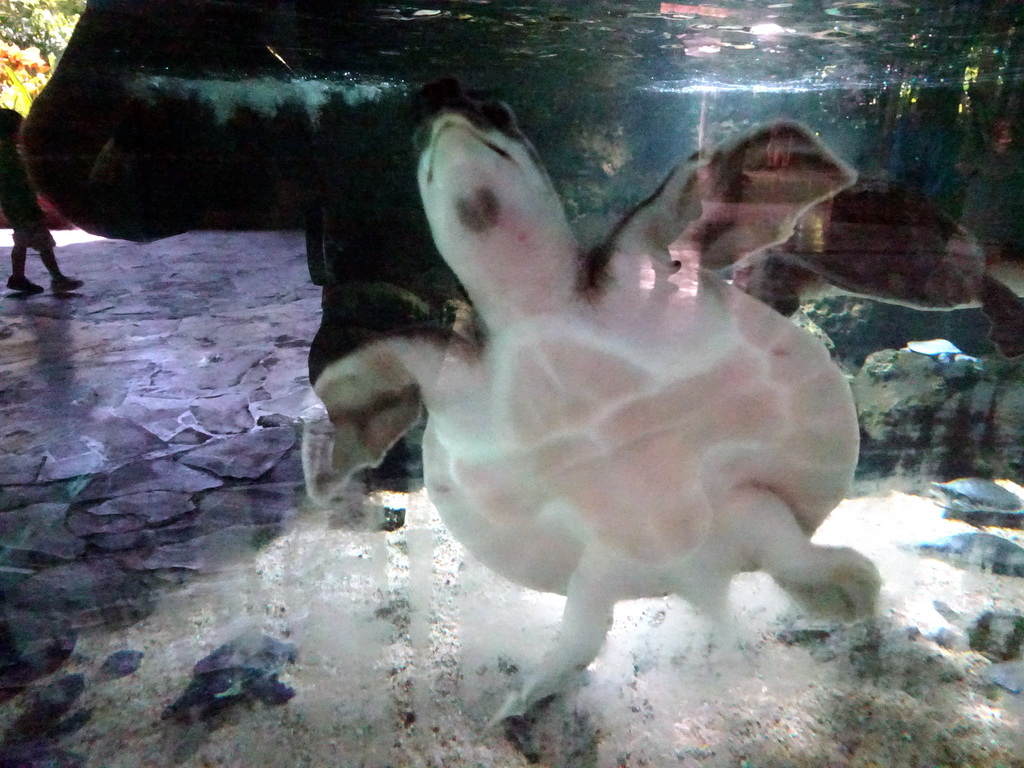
23, 285
63, 284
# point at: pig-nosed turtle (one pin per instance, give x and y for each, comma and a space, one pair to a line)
979, 501
615, 430
888, 242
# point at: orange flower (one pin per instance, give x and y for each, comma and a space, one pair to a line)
18, 59
31, 57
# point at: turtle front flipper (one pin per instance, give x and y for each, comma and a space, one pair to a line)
372, 396
744, 197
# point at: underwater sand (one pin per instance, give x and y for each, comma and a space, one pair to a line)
407, 646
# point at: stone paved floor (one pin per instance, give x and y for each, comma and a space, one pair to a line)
149, 426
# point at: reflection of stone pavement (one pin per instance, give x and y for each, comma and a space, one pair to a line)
148, 427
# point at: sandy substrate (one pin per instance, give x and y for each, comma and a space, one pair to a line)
407, 646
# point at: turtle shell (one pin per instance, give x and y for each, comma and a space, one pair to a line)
975, 494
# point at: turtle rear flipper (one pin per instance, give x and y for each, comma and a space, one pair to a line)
1005, 311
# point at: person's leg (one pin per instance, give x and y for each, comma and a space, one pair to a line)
49, 260
18, 281
18, 254
59, 282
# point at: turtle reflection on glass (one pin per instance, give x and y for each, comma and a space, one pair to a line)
889, 243
612, 428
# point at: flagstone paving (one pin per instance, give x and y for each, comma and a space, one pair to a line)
149, 427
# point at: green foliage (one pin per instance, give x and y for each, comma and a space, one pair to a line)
14, 91
33, 35
43, 24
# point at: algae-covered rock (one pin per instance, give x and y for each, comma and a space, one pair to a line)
947, 417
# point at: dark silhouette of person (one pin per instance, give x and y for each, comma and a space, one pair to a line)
21, 208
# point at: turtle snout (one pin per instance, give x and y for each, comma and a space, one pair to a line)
448, 95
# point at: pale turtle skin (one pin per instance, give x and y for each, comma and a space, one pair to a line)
615, 430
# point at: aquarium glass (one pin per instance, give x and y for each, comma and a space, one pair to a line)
709, 315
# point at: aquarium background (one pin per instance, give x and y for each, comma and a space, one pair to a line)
235, 183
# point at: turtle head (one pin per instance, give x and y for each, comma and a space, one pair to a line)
493, 212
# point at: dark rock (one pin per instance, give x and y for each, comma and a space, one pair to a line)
248, 455
805, 636
184, 528
122, 439
860, 326
137, 541
40, 754
394, 518
145, 476
272, 419
208, 553
12, 575
73, 456
13, 497
86, 522
288, 469
156, 507
947, 637
985, 551
89, 593
45, 707
31, 647
16, 469
357, 510
946, 612
120, 664
986, 518
207, 695
36, 535
69, 725
190, 436
998, 635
